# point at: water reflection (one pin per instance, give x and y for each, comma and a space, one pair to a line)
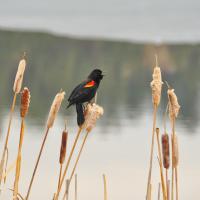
56, 62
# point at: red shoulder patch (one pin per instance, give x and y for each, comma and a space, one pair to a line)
90, 84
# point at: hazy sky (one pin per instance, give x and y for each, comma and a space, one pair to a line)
157, 20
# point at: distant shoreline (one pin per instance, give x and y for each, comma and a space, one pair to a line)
96, 38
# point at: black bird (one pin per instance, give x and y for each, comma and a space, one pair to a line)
85, 92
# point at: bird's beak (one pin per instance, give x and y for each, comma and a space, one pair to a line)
104, 73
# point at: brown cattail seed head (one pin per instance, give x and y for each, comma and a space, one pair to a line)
174, 106
175, 153
55, 108
165, 150
19, 76
63, 147
156, 86
93, 112
25, 101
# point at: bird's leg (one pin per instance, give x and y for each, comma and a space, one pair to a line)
83, 107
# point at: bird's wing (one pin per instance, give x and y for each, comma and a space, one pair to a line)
76, 89
82, 91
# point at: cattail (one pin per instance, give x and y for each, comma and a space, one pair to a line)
63, 147
174, 106
55, 108
17, 175
25, 101
93, 112
19, 76
51, 118
62, 154
156, 85
165, 151
105, 187
175, 154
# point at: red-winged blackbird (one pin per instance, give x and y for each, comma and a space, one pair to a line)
85, 92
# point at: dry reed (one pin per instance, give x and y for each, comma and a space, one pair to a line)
175, 161
92, 113
25, 101
66, 194
156, 86
63, 148
158, 191
76, 189
68, 161
105, 187
16, 88
77, 159
160, 164
174, 108
50, 121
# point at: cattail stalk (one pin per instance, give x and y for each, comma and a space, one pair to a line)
105, 187
156, 86
50, 121
18, 165
63, 148
16, 89
66, 194
68, 162
37, 162
149, 197
160, 164
168, 190
175, 160
5, 150
25, 101
174, 108
92, 113
158, 191
176, 178
78, 157
76, 191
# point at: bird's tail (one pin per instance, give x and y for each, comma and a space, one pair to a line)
80, 114
69, 105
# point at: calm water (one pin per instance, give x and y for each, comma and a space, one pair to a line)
119, 151
155, 20
119, 145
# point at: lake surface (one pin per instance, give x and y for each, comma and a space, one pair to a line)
119, 145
